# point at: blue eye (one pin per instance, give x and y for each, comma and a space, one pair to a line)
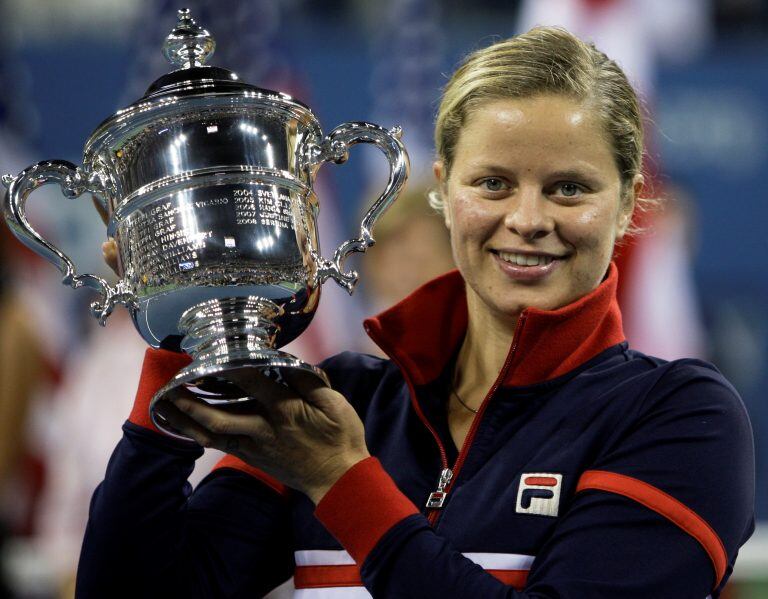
569, 190
493, 184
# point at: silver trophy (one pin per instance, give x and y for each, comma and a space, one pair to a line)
207, 182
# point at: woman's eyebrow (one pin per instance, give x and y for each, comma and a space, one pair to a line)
583, 174
489, 166
571, 172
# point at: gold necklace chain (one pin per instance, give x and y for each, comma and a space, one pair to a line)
461, 401
456, 393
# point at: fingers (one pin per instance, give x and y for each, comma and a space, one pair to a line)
100, 209
303, 382
109, 251
217, 422
204, 424
260, 387
183, 424
272, 406
298, 384
274, 396
310, 387
256, 383
108, 248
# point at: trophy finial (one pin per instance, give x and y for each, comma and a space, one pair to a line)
188, 45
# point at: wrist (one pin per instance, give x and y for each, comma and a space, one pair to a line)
339, 468
158, 368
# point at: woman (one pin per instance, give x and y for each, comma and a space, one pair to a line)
522, 450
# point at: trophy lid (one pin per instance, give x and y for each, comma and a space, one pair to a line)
188, 47
190, 85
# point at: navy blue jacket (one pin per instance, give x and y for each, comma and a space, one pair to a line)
591, 470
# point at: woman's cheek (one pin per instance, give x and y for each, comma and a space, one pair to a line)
589, 217
465, 225
591, 228
470, 210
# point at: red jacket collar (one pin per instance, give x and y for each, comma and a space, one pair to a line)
423, 332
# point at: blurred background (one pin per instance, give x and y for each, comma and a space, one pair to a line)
696, 285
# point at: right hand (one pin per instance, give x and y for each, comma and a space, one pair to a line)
303, 433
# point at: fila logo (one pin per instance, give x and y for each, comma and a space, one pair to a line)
539, 493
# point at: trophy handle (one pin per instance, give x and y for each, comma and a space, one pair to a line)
74, 182
336, 148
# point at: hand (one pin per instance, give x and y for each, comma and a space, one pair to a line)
109, 247
109, 251
306, 434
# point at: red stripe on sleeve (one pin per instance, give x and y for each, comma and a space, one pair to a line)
362, 506
230, 461
160, 365
661, 503
513, 578
316, 577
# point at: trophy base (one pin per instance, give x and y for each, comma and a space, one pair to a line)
212, 384
228, 338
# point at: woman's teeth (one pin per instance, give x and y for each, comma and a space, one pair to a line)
525, 259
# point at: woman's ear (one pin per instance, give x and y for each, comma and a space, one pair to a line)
438, 167
628, 205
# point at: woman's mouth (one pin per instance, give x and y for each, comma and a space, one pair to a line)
525, 259
526, 266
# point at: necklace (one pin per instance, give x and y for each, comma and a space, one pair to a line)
456, 393
461, 401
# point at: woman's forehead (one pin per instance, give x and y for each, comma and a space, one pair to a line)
552, 128
537, 115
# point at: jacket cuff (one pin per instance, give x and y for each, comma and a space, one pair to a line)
362, 506
160, 366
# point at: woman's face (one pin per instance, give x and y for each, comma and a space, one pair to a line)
533, 203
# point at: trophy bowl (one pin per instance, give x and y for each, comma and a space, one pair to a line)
208, 186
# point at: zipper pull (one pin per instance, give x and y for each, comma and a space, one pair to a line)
437, 498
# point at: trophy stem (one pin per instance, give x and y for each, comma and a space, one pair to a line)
230, 328
228, 338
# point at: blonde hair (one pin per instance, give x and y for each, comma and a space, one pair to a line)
545, 61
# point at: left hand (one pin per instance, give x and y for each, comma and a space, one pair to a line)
109, 247
306, 434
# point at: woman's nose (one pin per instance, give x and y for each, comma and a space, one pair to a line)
527, 215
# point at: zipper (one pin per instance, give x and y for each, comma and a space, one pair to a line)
436, 498
448, 476
414, 399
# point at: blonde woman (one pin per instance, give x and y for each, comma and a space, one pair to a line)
512, 445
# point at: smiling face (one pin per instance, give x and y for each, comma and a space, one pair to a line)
534, 204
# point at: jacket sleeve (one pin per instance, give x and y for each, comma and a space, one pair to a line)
662, 513
149, 535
